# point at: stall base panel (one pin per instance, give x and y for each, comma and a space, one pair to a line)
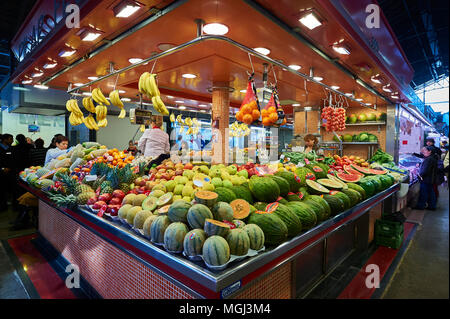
308, 268
339, 246
110, 271
276, 285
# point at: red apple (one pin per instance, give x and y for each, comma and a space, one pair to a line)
115, 201
118, 193
133, 191
158, 175
113, 210
165, 176
105, 197
162, 170
153, 171
92, 200
98, 204
188, 166
179, 172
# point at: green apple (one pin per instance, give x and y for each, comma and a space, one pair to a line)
170, 185
227, 184
204, 169
189, 174
232, 170
178, 189
217, 182
243, 173
208, 187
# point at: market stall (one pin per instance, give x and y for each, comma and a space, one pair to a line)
233, 219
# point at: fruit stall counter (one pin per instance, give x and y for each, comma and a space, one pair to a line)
118, 263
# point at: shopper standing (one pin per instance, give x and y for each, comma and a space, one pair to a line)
427, 177
21, 153
38, 153
155, 142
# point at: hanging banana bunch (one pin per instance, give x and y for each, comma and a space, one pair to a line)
239, 130
115, 100
76, 115
88, 104
100, 113
147, 85
98, 96
90, 123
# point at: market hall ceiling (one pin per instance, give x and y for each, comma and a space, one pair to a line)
251, 23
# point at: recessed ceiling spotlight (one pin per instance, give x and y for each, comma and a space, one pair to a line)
64, 53
125, 99
126, 8
335, 87
27, 81
179, 102
310, 20
134, 60
89, 34
263, 51
189, 76
182, 107
318, 78
295, 67
92, 78
215, 28
37, 74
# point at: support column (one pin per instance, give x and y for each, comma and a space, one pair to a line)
220, 115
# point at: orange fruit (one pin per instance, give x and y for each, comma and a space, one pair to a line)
273, 117
247, 119
239, 116
272, 109
255, 115
253, 105
266, 121
246, 109
264, 113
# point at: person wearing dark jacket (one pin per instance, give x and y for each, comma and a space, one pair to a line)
427, 177
436, 151
38, 153
21, 153
6, 169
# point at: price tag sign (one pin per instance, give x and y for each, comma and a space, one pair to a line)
102, 211
90, 178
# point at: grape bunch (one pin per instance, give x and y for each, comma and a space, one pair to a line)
338, 119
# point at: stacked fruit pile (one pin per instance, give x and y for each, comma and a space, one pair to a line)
364, 117
270, 116
248, 113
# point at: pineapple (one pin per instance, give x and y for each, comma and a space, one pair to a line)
124, 187
82, 188
64, 201
69, 184
83, 198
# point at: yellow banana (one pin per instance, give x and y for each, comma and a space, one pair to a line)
76, 108
102, 123
188, 121
90, 103
155, 104
69, 105
179, 119
151, 86
90, 122
142, 128
162, 108
122, 114
189, 131
172, 117
141, 84
99, 97
115, 99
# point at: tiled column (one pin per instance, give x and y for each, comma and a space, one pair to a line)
220, 115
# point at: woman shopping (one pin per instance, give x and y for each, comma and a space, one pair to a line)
61, 143
155, 142
427, 176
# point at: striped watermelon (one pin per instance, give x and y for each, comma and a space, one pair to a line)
158, 228
238, 241
214, 227
193, 242
197, 214
174, 236
223, 211
275, 230
256, 236
216, 251
304, 213
178, 211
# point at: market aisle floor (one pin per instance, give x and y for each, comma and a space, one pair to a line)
424, 270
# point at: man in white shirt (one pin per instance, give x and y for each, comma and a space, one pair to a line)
155, 142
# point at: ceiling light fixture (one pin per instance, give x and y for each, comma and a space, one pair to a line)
296, 104
27, 81
64, 53
311, 20
394, 97
263, 51
349, 94
134, 60
182, 107
341, 49
335, 87
89, 34
318, 78
202, 105
87, 93
169, 97
295, 67
215, 29
78, 84
243, 91
189, 76
40, 86
126, 8
50, 65
359, 100
179, 102
375, 79
92, 78
125, 99
37, 74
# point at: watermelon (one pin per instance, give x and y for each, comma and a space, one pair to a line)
206, 198
329, 183
256, 236
303, 191
323, 166
368, 186
294, 182
291, 197
216, 228
238, 223
238, 241
344, 198
316, 188
260, 206
349, 178
158, 227
241, 209
283, 184
336, 204
355, 196
225, 194
223, 211
334, 178
317, 170
318, 209
303, 174
275, 230
352, 171
357, 188
376, 182
193, 242
386, 181
174, 237
197, 215
243, 192
293, 223
178, 211
377, 171
264, 189
322, 202
216, 251
364, 170
306, 215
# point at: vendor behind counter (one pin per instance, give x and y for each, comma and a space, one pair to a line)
311, 145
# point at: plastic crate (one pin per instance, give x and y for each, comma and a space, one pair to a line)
392, 242
387, 228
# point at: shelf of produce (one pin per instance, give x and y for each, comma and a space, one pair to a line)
359, 143
188, 279
365, 123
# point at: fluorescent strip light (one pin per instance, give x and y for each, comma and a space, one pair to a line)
126, 9
87, 93
169, 97
318, 78
50, 65
182, 107
341, 50
179, 102
349, 94
78, 84
295, 67
335, 87
386, 89
134, 60
296, 104
189, 76
40, 86
125, 99
66, 53
91, 36
375, 80
92, 78
202, 105
359, 100
394, 97
27, 81
310, 21
215, 28
37, 74
263, 51
243, 91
